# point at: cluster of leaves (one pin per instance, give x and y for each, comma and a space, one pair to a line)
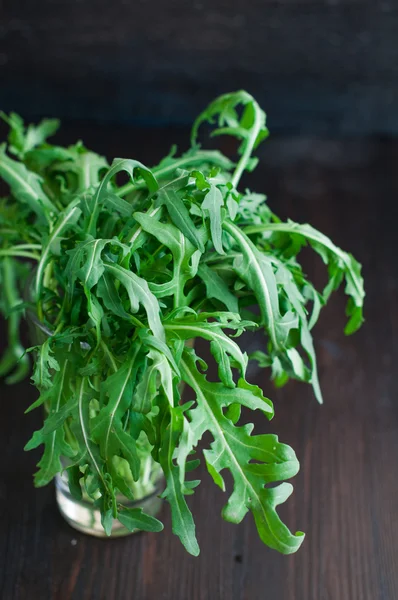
126, 277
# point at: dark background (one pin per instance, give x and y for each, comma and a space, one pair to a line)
319, 66
127, 77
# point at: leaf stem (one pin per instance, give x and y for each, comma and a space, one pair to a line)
251, 140
109, 355
19, 254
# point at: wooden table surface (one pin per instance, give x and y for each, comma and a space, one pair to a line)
346, 494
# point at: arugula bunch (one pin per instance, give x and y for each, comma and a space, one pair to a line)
125, 278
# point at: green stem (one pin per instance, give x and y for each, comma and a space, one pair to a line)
47, 275
109, 355
70, 438
26, 247
19, 254
242, 164
137, 322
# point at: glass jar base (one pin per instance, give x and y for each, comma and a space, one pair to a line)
82, 515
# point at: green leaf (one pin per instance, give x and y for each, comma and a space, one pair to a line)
55, 419
93, 267
113, 202
95, 314
57, 415
255, 268
45, 363
88, 167
107, 521
74, 477
340, 263
23, 141
170, 166
118, 165
217, 288
250, 127
212, 204
40, 159
150, 341
185, 255
66, 220
157, 375
37, 135
235, 449
107, 291
16, 135
94, 476
134, 519
50, 464
226, 352
86, 264
139, 293
25, 186
182, 521
285, 278
43, 398
106, 429
52, 434
179, 214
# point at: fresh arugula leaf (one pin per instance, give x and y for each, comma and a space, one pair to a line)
185, 255
250, 128
217, 288
285, 278
226, 352
45, 363
108, 293
90, 454
213, 203
135, 519
139, 293
106, 428
182, 521
118, 165
179, 214
85, 262
65, 221
158, 375
235, 449
256, 269
25, 186
340, 264
170, 166
23, 141
52, 435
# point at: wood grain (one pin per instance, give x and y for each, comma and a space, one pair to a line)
346, 493
324, 66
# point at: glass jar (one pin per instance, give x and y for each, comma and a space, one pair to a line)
83, 516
